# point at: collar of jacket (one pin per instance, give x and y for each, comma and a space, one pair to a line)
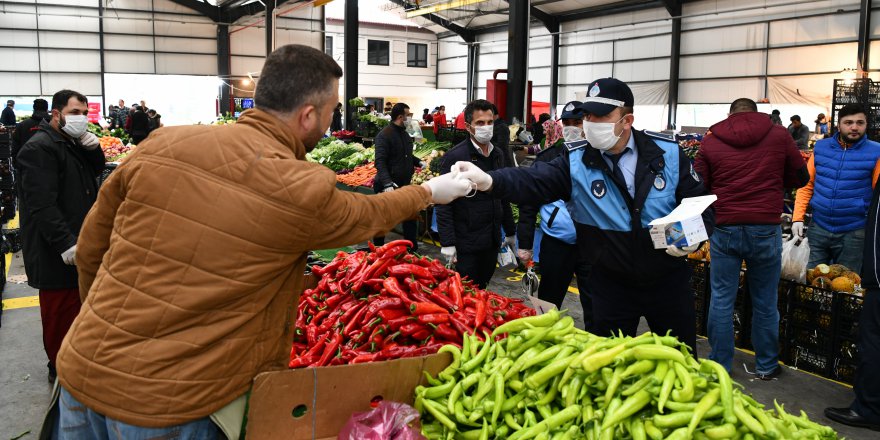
649, 153
272, 126
846, 146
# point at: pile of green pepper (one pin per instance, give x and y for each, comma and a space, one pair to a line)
549, 380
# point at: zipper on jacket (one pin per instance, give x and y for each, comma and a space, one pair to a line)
837, 179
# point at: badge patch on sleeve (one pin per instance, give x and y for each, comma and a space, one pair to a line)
598, 189
659, 183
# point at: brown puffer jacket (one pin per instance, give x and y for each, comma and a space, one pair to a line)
191, 263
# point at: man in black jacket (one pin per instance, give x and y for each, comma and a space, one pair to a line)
59, 166
29, 126
470, 228
7, 118
501, 139
864, 411
395, 163
140, 125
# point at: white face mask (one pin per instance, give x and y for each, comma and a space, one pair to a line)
572, 133
75, 125
601, 134
483, 134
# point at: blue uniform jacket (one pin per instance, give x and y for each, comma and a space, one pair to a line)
611, 226
555, 219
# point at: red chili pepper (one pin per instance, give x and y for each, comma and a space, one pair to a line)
455, 290
411, 328
351, 319
330, 350
407, 269
423, 308
390, 338
422, 351
318, 346
397, 323
390, 314
381, 304
421, 334
434, 318
481, 311
460, 323
445, 331
301, 361
393, 245
365, 357
443, 300
393, 287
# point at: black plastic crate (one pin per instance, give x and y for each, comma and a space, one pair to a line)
811, 306
849, 308
806, 359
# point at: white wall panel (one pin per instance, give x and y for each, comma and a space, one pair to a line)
308, 38
60, 60
128, 62
539, 76
539, 57
188, 26
874, 55
642, 48
18, 38
748, 36
247, 41
87, 84
452, 81
721, 65
132, 23
711, 13
180, 64
822, 29
583, 75
451, 48
586, 53
69, 39
63, 17
19, 59
720, 91
493, 61
19, 84
186, 45
811, 85
128, 42
834, 57
18, 16
240, 66
647, 70
454, 65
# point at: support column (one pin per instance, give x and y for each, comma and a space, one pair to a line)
674, 62
223, 69
101, 54
270, 26
864, 37
350, 68
473, 63
517, 59
554, 71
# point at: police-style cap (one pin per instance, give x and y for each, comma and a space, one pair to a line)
606, 94
572, 110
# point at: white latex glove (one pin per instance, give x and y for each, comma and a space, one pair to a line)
797, 229
469, 171
448, 253
389, 189
681, 252
89, 141
525, 254
69, 256
446, 188
510, 242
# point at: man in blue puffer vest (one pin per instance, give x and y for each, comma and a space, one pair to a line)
616, 182
843, 170
559, 256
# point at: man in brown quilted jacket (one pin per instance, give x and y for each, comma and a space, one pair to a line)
192, 259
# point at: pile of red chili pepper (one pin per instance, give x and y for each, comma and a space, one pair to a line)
389, 304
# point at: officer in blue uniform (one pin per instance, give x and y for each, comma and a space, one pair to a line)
558, 253
616, 182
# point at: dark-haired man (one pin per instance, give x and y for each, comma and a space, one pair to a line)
470, 228
799, 132
58, 166
843, 170
192, 260
395, 163
747, 161
29, 126
616, 182
7, 117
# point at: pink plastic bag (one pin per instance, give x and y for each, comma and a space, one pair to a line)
389, 421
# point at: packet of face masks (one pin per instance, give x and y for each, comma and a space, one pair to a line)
505, 256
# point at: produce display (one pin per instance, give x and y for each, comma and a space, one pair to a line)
360, 176
114, 149
835, 277
343, 134
702, 253
690, 147
388, 304
338, 155
379, 121
425, 174
548, 379
428, 149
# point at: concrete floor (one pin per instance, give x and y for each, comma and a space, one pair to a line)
24, 391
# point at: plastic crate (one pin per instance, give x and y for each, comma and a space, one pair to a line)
813, 361
846, 331
701, 292
811, 306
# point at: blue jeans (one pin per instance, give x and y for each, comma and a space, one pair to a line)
761, 248
842, 248
78, 422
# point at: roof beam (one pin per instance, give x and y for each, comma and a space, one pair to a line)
233, 14
611, 9
212, 12
549, 21
673, 7
465, 34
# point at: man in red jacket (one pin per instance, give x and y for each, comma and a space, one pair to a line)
747, 161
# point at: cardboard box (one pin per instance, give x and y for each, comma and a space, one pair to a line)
684, 225
315, 403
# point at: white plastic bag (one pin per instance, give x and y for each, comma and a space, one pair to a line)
505, 256
795, 255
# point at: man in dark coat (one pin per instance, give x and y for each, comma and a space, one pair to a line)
58, 166
29, 126
336, 123
140, 125
501, 139
7, 118
470, 228
864, 411
395, 163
